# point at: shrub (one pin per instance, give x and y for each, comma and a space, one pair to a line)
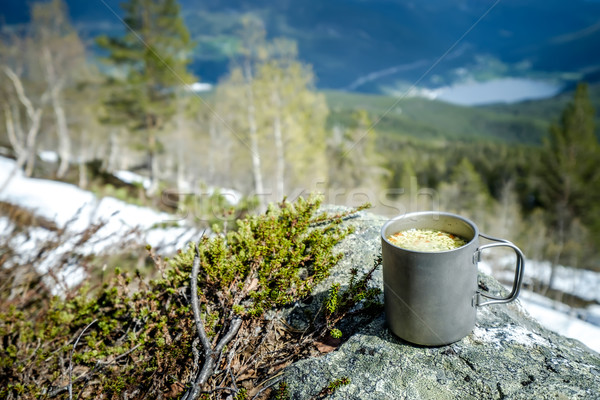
209, 327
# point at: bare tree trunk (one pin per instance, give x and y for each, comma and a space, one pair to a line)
34, 116
14, 131
254, 146
506, 212
214, 149
30, 163
18, 165
29, 153
113, 152
153, 161
180, 140
83, 181
64, 141
554, 266
561, 244
279, 149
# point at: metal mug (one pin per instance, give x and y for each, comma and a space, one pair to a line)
431, 298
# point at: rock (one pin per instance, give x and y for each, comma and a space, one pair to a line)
508, 355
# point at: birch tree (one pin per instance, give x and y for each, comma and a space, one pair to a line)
39, 64
294, 116
61, 59
23, 106
253, 51
275, 116
22, 116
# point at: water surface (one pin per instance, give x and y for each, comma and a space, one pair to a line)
503, 90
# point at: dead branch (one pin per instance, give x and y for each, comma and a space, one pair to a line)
71, 358
131, 350
196, 306
87, 375
210, 354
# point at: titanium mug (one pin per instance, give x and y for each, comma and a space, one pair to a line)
431, 298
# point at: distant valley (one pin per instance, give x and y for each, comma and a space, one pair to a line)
386, 46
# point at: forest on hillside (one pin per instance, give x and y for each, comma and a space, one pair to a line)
266, 132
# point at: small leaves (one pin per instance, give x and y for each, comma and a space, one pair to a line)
335, 333
343, 381
332, 298
144, 340
282, 392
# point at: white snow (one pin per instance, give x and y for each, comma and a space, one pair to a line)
198, 87
580, 324
48, 156
65, 203
132, 177
561, 319
75, 209
582, 283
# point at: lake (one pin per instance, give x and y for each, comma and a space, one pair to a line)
502, 90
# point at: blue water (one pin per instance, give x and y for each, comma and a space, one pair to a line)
503, 90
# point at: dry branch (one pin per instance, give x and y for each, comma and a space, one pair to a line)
210, 354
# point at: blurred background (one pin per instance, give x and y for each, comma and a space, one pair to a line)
199, 113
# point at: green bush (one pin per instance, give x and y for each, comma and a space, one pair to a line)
136, 339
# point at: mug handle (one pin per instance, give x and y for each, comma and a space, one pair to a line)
520, 266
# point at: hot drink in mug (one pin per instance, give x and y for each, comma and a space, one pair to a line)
430, 276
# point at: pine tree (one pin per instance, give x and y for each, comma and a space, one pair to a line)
150, 64
570, 179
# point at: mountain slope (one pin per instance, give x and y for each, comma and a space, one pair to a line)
422, 119
369, 45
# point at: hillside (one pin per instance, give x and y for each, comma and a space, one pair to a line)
419, 118
370, 46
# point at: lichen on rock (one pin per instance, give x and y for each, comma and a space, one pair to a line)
508, 355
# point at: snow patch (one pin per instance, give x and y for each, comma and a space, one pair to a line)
48, 156
132, 178
75, 210
578, 282
562, 319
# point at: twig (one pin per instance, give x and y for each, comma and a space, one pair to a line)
210, 354
217, 389
233, 330
131, 350
231, 353
195, 303
196, 354
86, 377
71, 358
276, 379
